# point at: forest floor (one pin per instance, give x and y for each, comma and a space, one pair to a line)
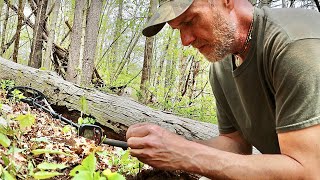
33, 145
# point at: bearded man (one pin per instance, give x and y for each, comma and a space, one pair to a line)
266, 81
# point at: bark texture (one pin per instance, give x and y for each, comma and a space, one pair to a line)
38, 30
115, 112
18, 31
75, 45
51, 36
91, 38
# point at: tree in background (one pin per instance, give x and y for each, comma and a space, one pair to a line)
38, 30
73, 73
18, 30
51, 37
90, 44
148, 56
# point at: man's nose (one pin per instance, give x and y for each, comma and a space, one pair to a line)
186, 37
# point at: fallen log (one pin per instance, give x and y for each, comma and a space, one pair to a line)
115, 112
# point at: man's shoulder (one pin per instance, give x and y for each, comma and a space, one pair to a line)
295, 23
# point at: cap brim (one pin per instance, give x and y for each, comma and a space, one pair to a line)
166, 12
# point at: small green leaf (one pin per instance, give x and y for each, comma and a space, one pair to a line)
84, 104
112, 175
90, 162
26, 120
45, 174
83, 175
40, 139
66, 129
13, 150
7, 175
46, 166
50, 151
30, 168
80, 120
4, 140
87, 165
76, 170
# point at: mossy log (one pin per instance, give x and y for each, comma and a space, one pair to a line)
117, 113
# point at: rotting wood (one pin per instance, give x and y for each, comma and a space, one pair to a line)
114, 112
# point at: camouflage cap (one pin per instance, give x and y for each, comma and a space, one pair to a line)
168, 10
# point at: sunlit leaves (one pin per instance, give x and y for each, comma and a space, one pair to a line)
26, 121
4, 140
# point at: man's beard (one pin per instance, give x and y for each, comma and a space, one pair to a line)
223, 32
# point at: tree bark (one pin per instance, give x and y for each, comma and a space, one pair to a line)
53, 21
38, 30
91, 38
5, 23
18, 31
148, 55
114, 112
75, 45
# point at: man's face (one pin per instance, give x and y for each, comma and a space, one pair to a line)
206, 28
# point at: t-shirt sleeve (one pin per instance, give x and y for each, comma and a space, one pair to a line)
224, 119
296, 81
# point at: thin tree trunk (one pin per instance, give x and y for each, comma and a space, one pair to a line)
265, 3
284, 4
53, 21
4, 32
76, 35
192, 86
162, 59
126, 57
19, 26
148, 55
317, 4
37, 44
91, 38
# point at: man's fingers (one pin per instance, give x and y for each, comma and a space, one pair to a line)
136, 143
138, 130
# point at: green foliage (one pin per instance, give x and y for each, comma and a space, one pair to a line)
26, 121
83, 105
4, 140
17, 95
50, 166
49, 151
127, 164
45, 174
87, 171
6, 84
86, 120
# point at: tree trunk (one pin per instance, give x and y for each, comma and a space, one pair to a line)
75, 46
114, 112
5, 23
284, 4
53, 21
162, 58
19, 26
36, 48
91, 37
148, 55
265, 3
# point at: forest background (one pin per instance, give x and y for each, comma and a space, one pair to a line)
98, 43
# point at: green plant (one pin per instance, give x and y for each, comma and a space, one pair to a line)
87, 171
126, 164
17, 95
6, 84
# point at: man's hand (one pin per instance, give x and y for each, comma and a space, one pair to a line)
157, 147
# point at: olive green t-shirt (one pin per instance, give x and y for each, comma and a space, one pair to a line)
277, 87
